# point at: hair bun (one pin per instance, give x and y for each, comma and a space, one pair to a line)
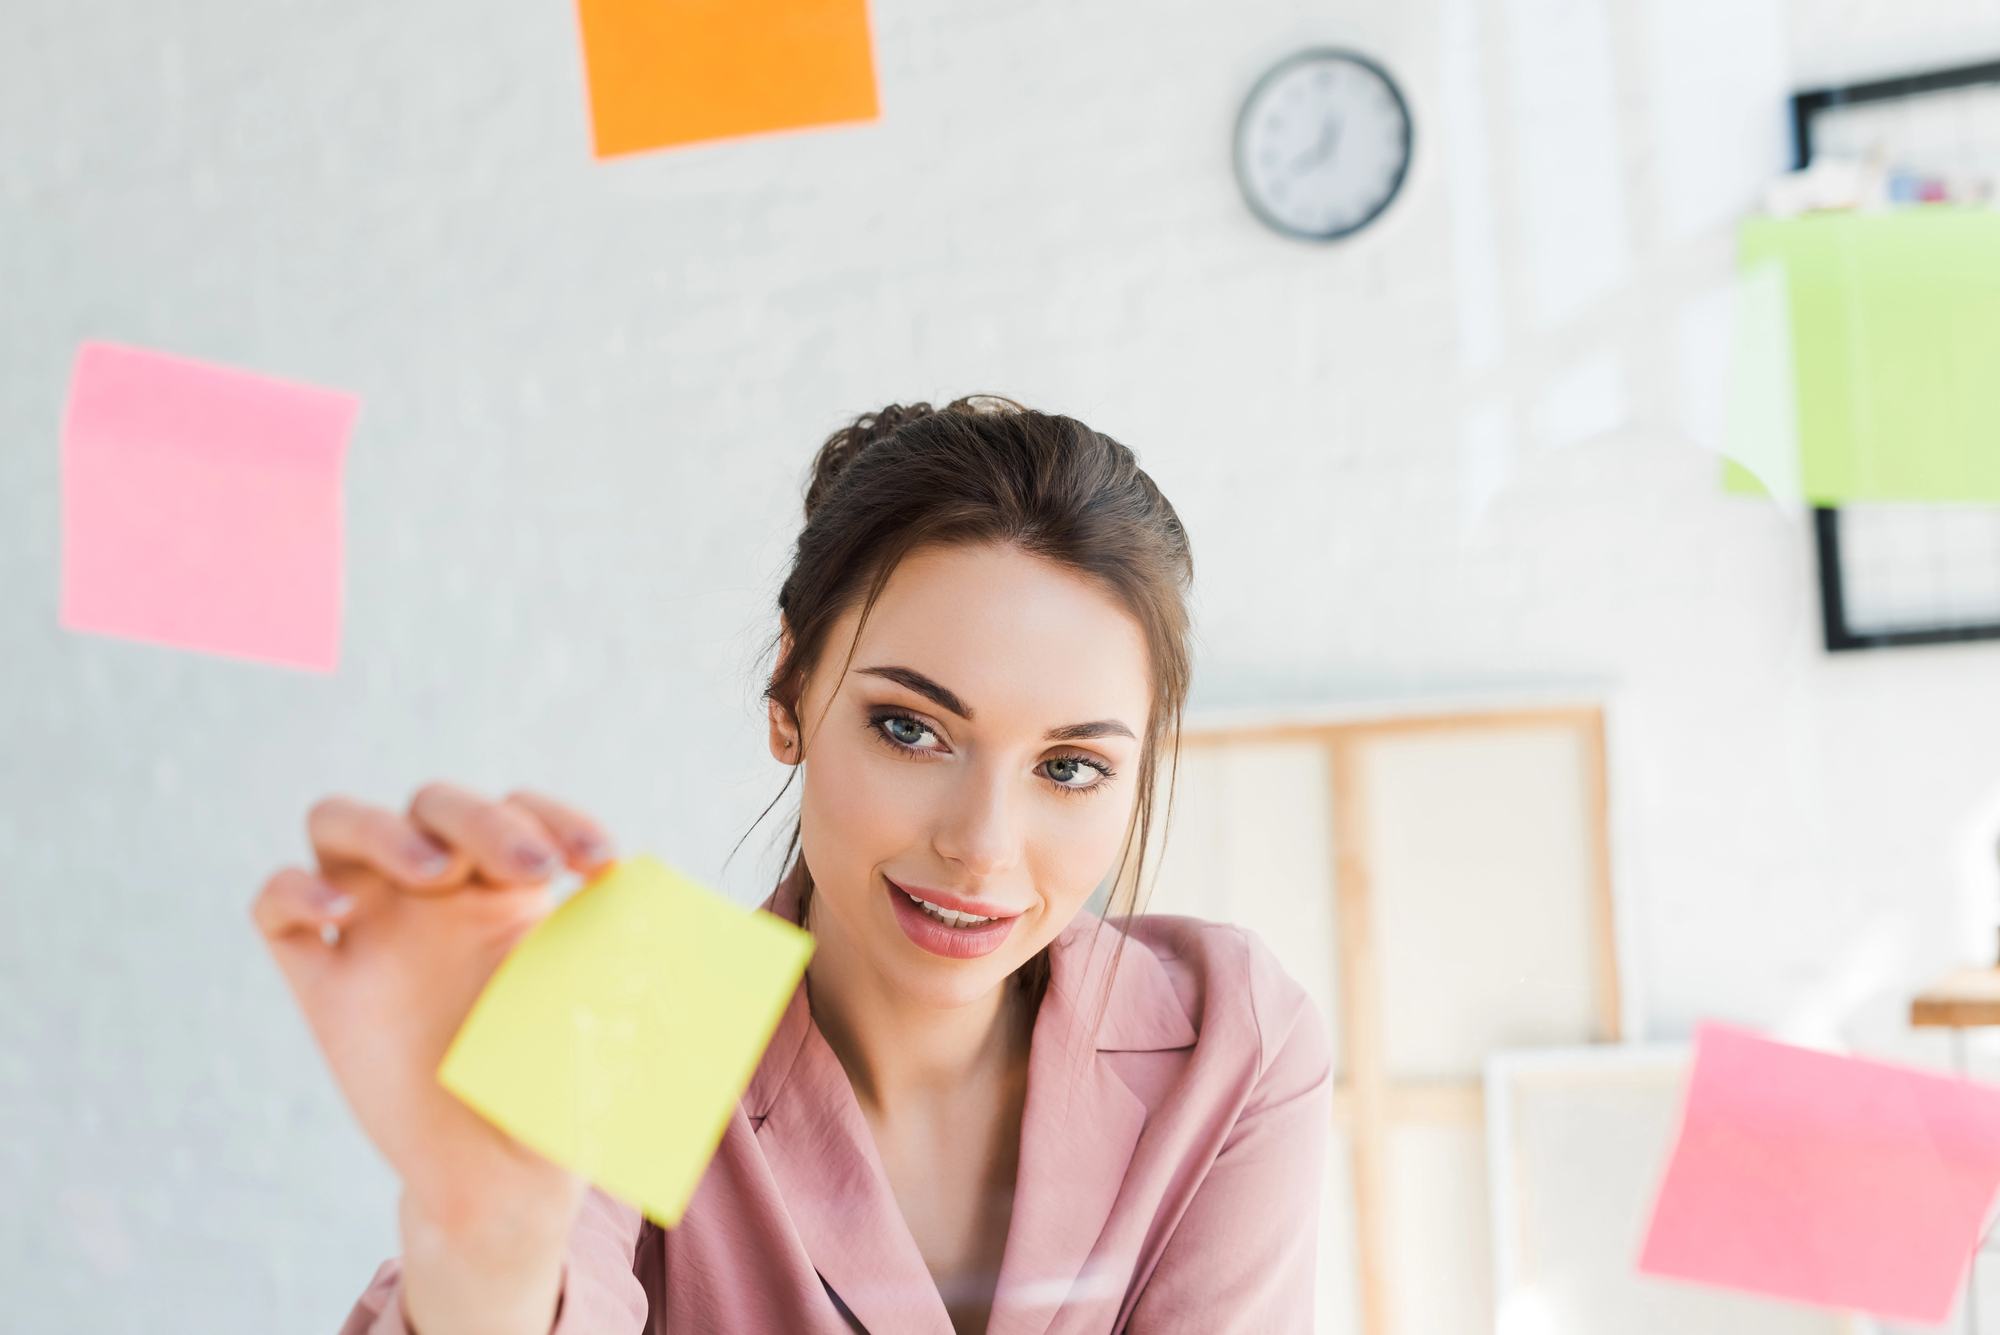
844, 446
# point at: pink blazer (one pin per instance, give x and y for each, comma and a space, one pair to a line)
1169, 1180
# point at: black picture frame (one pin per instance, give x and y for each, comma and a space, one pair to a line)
1839, 635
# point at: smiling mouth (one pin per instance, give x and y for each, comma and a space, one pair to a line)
949, 917
952, 933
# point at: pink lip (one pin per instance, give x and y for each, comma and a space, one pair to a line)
959, 943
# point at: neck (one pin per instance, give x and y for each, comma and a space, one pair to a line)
895, 1049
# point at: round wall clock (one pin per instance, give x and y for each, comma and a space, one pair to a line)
1322, 144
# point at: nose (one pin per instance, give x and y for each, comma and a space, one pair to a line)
978, 830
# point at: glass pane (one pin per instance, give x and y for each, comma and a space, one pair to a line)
1439, 1255
1585, 1143
1249, 845
1919, 567
1481, 853
1337, 1297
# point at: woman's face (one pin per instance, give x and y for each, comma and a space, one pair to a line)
981, 753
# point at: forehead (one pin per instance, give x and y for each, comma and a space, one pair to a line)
1013, 635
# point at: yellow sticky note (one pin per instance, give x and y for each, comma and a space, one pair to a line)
618, 1035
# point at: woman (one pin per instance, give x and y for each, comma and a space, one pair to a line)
985, 1110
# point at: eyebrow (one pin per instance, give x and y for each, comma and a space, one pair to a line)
1083, 732
946, 699
913, 680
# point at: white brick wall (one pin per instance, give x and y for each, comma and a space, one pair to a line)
590, 389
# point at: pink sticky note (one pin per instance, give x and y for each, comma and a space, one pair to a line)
201, 507
1824, 1179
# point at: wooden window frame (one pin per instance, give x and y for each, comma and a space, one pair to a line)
1368, 1104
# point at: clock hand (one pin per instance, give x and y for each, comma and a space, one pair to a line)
1329, 135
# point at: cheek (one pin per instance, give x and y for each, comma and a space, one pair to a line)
856, 812
1073, 848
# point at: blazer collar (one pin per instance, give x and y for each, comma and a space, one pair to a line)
1081, 1124
1141, 1011
823, 1158
1079, 1128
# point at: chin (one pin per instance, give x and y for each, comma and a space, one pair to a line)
946, 985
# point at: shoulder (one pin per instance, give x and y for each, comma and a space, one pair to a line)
1226, 982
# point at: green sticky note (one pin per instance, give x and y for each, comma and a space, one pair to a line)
1740, 481
1896, 351
1761, 439
618, 1035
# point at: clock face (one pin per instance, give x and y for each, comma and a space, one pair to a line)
1322, 144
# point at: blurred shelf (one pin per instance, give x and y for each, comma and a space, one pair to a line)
1960, 1000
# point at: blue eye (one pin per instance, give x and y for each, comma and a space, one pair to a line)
1074, 772
909, 734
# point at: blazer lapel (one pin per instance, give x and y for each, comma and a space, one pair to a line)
1080, 1126
1079, 1129
823, 1158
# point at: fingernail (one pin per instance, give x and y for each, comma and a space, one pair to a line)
429, 859
330, 901
593, 849
533, 858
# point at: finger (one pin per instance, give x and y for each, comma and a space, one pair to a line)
296, 902
506, 844
585, 845
346, 831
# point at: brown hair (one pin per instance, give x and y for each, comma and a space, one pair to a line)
987, 470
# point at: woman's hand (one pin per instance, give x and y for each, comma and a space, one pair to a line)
386, 947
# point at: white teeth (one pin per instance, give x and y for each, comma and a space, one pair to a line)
949, 917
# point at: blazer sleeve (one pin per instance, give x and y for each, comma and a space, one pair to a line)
1243, 1257
600, 1294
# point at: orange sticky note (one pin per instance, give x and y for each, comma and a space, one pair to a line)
666, 72
201, 507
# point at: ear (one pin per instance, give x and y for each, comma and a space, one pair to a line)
786, 746
784, 734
